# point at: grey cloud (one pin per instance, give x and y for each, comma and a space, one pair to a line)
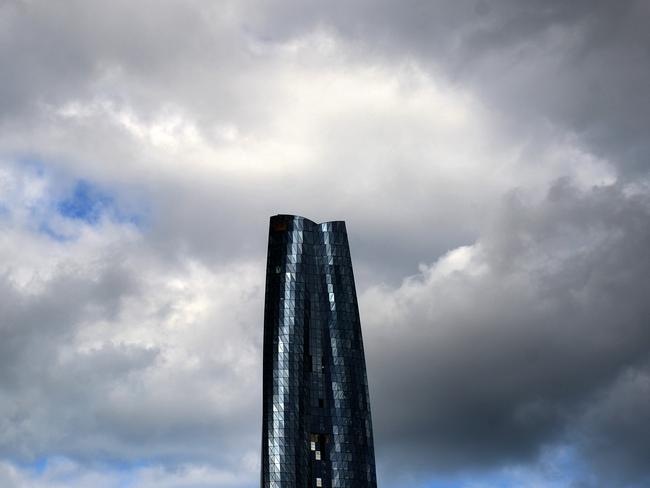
581, 65
546, 343
36, 329
32, 324
506, 354
141, 58
111, 399
147, 56
534, 61
614, 431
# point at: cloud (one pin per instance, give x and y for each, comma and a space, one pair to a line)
61, 472
143, 147
415, 149
111, 355
614, 430
503, 347
579, 65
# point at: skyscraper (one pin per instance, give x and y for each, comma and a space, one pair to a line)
317, 430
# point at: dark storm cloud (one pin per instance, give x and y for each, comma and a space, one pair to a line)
615, 431
544, 328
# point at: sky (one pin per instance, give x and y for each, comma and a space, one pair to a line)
491, 159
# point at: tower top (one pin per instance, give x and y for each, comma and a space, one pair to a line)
300, 217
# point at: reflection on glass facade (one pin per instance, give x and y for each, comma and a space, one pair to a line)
317, 430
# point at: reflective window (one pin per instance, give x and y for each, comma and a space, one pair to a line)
315, 396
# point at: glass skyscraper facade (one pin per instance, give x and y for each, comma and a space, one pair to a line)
317, 430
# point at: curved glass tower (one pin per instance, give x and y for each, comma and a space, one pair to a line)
316, 422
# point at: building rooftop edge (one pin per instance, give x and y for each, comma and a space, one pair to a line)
305, 218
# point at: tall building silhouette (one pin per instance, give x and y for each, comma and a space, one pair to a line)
317, 430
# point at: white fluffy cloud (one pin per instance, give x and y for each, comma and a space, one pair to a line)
110, 351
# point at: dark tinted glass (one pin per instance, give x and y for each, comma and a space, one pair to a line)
317, 429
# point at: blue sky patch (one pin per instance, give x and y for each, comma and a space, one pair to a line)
36, 466
86, 203
46, 229
89, 203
